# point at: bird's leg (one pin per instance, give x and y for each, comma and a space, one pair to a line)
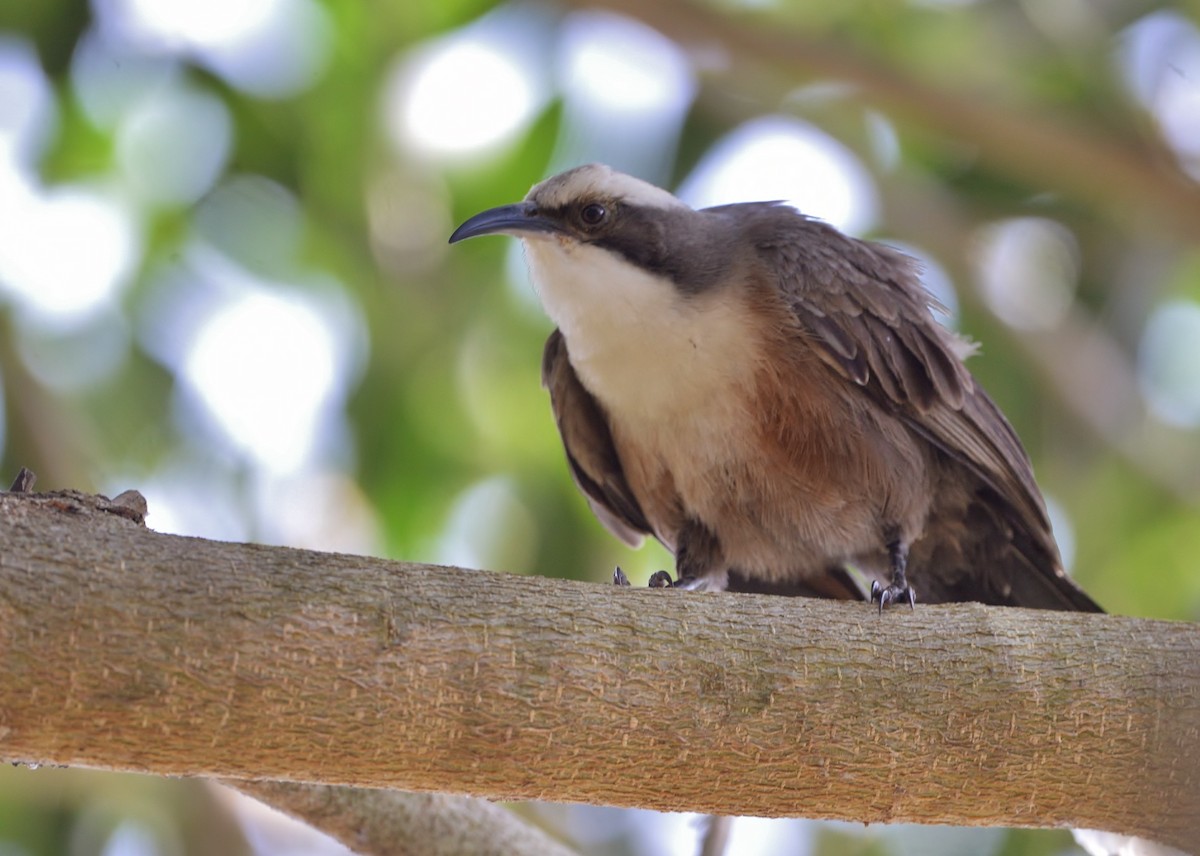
697, 553
898, 590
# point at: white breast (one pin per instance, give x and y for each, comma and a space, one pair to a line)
673, 372
644, 349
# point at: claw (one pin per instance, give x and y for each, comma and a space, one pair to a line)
619, 578
892, 594
661, 579
899, 589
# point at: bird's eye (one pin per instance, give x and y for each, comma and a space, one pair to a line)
593, 214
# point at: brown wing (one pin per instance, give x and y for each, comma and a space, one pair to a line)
591, 454
862, 305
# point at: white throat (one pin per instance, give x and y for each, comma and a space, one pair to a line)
640, 346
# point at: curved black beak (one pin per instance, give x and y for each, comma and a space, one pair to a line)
505, 220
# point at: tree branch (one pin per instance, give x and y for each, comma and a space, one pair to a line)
125, 649
390, 823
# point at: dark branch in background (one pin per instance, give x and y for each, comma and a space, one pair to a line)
124, 649
1076, 159
389, 823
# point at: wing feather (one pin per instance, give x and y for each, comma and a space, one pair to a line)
591, 454
868, 307
863, 308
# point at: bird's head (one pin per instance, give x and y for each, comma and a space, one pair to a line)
634, 278
594, 218
592, 204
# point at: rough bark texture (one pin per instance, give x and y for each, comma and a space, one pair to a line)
125, 649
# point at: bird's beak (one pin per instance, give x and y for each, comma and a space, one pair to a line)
519, 219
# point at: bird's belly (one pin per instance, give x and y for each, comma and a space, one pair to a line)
781, 508
763, 445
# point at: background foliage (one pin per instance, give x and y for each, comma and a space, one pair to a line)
224, 279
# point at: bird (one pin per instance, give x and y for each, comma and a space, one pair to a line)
775, 402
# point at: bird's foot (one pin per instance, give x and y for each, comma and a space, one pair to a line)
893, 593
659, 579
662, 579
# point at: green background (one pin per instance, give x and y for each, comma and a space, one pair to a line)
992, 111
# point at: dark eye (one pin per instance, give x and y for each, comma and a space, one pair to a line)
593, 214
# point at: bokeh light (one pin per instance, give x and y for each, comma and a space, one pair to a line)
265, 365
1026, 269
187, 495
247, 363
80, 356
489, 527
173, 145
1063, 531
1169, 363
317, 509
254, 221
109, 78
66, 252
130, 837
1159, 59
193, 23
460, 95
626, 92
409, 212
270, 48
788, 160
621, 65
27, 106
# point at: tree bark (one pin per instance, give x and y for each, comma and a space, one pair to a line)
121, 648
